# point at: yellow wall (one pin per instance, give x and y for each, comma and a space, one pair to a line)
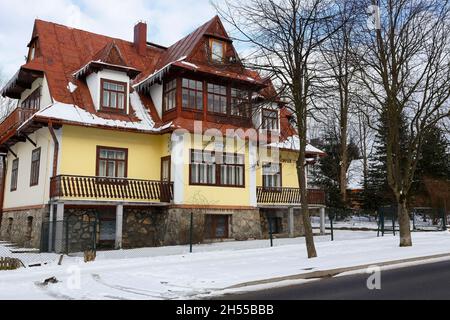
79, 145
289, 169
215, 196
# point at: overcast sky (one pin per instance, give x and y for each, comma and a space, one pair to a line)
168, 21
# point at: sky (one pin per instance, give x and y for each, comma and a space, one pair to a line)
168, 21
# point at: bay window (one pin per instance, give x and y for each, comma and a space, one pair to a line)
192, 94
170, 95
217, 98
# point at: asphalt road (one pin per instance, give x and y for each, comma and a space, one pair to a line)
424, 282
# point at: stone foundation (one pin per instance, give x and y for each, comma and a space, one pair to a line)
299, 230
142, 227
23, 228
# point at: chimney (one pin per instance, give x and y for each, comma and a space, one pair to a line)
140, 37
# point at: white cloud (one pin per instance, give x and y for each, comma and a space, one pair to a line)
168, 21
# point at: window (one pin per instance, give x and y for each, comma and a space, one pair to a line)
217, 169
33, 101
112, 162
232, 170
216, 226
192, 94
170, 95
239, 102
14, 174
269, 119
217, 98
217, 50
113, 95
203, 167
35, 163
272, 175
276, 225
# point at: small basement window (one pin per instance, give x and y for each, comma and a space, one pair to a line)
113, 95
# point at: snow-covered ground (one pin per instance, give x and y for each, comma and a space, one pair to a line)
173, 273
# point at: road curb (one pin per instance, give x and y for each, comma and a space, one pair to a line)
334, 272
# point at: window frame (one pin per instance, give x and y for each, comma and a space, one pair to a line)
214, 94
35, 168
33, 98
125, 98
223, 44
196, 91
213, 220
245, 114
217, 169
98, 159
264, 122
14, 174
280, 172
166, 92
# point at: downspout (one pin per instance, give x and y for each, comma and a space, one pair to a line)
2, 186
56, 150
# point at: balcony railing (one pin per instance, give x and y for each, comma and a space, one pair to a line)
15, 120
288, 196
81, 187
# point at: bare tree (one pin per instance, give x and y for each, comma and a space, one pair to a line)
6, 105
407, 70
286, 36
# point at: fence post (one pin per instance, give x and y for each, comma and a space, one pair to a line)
270, 231
444, 219
191, 232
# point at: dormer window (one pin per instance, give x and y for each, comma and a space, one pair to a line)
113, 96
217, 48
270, 119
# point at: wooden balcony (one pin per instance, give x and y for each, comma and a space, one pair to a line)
99, 188
14, 121
285, 196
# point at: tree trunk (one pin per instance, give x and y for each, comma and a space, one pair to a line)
343, 169
309, 237
404, 224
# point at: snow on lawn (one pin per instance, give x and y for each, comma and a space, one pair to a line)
170, 273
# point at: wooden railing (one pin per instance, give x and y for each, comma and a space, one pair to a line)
81, 187
288, 196
15, 120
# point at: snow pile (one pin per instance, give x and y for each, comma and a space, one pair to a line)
72, 113
293, 143
72, 87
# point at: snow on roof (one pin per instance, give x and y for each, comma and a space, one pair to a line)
72, 113
355, 175
81, 72
293, 143
157, 75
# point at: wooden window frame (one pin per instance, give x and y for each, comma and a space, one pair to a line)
35, 168
166, 92
168, 159
125, 98
197, 91
97, 170
14, 177
226, 95
263, 117
245, 111
33, 101
211, 56
213, 228
281, 177
218, 176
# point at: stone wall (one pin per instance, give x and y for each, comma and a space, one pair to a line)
142, 227
20, 232
299, 230
81, 230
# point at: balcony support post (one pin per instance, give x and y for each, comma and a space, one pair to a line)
119, 226
59, 233
322, 221
291, 222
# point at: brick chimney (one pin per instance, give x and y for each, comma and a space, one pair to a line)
140, 37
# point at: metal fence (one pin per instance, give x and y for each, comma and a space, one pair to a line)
68, 236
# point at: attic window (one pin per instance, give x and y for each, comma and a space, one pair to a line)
113, 95
217, 48
33, 51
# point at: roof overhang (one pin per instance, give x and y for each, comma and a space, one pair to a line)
21, 81
95, 66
